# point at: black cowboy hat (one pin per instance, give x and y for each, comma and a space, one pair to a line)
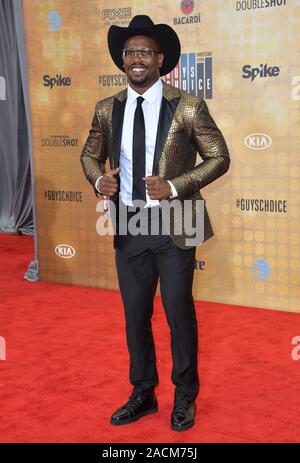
165, 36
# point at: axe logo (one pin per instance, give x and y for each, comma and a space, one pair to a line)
117, 15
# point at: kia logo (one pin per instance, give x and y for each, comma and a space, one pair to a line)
65, 251
258, 141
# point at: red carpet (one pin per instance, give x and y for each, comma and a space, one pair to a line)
66, 367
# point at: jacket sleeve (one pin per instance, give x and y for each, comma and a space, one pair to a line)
94, 153
212, 148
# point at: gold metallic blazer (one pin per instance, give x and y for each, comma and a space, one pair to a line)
185, 127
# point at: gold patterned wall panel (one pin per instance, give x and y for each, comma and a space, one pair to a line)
243, 57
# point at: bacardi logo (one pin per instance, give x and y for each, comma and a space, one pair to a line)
187, 6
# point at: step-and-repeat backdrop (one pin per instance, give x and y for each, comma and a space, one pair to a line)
243, 57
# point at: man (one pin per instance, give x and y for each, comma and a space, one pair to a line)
151, 133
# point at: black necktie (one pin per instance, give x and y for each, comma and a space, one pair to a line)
139, 152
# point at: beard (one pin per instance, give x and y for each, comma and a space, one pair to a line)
139, 83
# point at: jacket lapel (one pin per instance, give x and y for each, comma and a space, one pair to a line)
117, 126
168, 107
167, 110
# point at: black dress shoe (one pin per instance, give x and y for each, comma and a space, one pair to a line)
183, 414
136, 407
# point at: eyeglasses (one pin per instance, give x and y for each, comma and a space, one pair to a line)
143, 52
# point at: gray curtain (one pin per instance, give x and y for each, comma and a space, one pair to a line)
16, 210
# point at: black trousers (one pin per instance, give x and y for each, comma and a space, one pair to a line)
141, 261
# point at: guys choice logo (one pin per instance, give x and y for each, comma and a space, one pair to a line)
193, 74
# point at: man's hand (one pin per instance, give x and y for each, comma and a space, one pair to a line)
157, 187
108, 184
